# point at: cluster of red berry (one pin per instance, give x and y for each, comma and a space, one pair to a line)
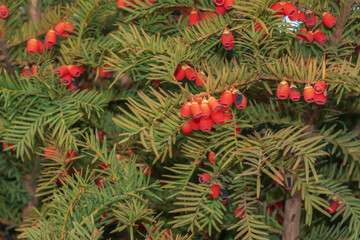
208, 112
66, 73
334, 205
317, 94
288, 9
223, 5
4, 12
63, 29
185, 70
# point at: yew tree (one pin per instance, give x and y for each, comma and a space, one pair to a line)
180, 119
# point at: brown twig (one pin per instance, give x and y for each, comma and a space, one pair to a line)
341, 22
6, 57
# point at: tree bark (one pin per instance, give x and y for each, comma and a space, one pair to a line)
291, 225
35, 10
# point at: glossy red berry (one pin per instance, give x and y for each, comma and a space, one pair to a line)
205, 108
219, 2
186, 109
309, 94
334, 205
294, 93
179, 73
204, 178
206, 124
214, 104
190, 73
186, 128
301, 16
196, 109
220, 10
239, 99
320, 99
4, 12
66, 80
226, 99
329, 20
320, 37
200, 79
228, 4
215, 191
32, 46
211, 157
60, 28
302, 34
217, 117
50, 38
283, 90
62, 70
195, 123
310, 36
319, 87
289, 9
227, 40
310, 19
40, 46
122, 3
278, 9
74, 71
194, 18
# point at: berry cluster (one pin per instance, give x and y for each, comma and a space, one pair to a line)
317, 94
66, 73
223, 5
4, 12
208, 112
288, 9
183, 71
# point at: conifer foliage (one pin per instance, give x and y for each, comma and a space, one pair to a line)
164, 119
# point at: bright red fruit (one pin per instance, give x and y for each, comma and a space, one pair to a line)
215, 189
195, 123
206, 124
228, 4
60, 28
227, 40
66, 80
32, 46
294, 93
310, 36
196, 109
4, 12
212, 157
283, 90
302, 36
220, 10
239, 212
319, 87
190, 73
289, 9
214, 104
301, 16
204, 178
186, 129
62, 70
217, 117
226, 99
194, 18
320, 37
239, 99
41, 46
74, 70
309, 94
329, 20
320, 99
310, 19
186, 109
219, 2
179, 73
278, 8
205, 108
50, 38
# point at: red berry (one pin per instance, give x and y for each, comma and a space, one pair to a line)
41, 46
309, 94
194, 18
239, 99
200, 79
74, 71
329, 20
294, 93
66, 80
205, 108
278, 9
179, 73
220, 10
217, 117
32, 46
186, 109
50, 38
206, 124
219, 2
204, 178
289, 9
310, 19
310, 36
227, 40
228, 4
186, 129
60, 28
4, 12
320, 37
26, 72
190, 73
62, 71
195, 123
320, 99
239, 212
301, 16
302, 36
214, 104
319, 87
196, 109
215, 189
226, 99
283, 90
